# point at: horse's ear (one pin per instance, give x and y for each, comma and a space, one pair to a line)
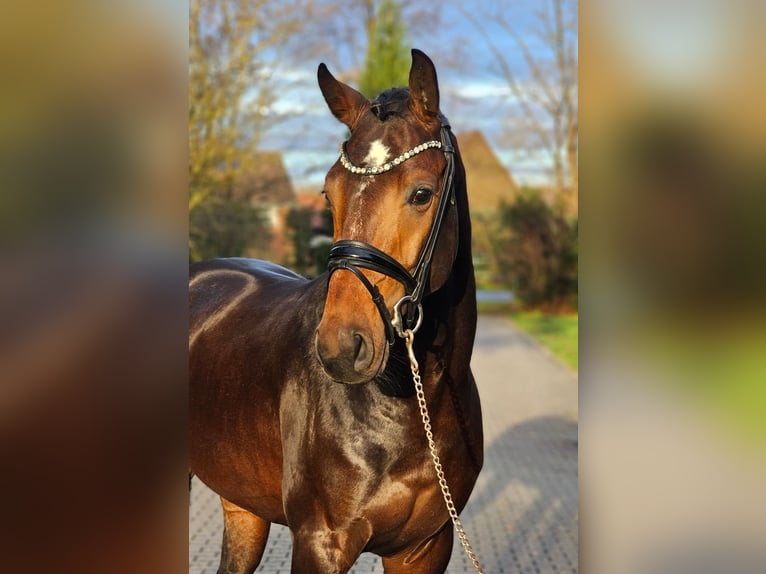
424, 89
345, 102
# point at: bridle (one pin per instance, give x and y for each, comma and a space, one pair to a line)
351, 255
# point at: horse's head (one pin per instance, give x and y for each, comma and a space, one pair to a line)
394, 219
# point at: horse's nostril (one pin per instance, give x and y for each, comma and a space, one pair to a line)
362, 353
358, 345
347, 356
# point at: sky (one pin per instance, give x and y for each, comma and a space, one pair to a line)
474, 97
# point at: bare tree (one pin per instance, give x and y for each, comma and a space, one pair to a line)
234, 48
545, 87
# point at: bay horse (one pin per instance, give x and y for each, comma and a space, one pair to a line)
303, 410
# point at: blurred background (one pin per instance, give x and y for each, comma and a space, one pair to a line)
672, 362
93, 299
135, 137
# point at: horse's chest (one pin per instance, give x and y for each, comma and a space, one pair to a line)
384, 474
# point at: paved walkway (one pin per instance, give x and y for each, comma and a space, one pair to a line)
522, 515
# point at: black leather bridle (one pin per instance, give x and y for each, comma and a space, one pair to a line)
351, 255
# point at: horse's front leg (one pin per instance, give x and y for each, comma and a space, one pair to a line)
244, 539
429, 557
318, 549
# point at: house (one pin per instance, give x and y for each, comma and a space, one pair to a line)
265, 183
489, 183
487, 178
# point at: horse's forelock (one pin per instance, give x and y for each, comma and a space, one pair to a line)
392, 102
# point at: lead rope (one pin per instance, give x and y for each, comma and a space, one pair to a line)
409, 338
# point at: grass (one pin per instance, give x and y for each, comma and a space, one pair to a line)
557, 333
722, 369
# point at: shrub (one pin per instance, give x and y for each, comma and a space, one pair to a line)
310, 234
226, 228
536, 252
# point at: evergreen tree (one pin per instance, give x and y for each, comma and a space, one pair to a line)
388, 52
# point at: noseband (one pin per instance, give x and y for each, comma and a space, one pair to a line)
352, 255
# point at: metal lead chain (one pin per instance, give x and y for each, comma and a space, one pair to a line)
409, 337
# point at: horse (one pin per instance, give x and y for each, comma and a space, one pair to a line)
303, 403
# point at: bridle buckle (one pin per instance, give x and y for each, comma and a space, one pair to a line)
398, 320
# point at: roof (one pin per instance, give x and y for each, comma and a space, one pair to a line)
265, 180
487, 178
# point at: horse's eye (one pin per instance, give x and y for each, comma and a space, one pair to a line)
326, 198
421, 196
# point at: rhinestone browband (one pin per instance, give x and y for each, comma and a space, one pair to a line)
374, 170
